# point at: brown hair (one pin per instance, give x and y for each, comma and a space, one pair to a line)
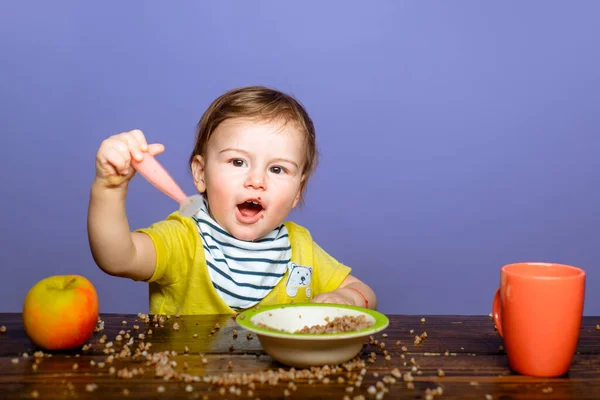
257, 102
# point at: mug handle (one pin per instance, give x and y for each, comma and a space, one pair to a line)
496, 311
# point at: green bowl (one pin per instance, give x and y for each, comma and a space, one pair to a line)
302, 350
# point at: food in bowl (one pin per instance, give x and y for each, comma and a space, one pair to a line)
346, 323
284, 331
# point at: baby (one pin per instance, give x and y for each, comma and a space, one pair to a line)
255, 150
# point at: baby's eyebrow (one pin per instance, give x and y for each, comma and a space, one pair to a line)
233, 149
287, 161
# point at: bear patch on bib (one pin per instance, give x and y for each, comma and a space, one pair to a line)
299, 277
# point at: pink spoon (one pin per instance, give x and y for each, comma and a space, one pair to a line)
158, 176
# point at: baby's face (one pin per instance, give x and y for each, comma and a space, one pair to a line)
252, 173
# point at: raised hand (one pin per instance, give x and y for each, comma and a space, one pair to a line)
113, 160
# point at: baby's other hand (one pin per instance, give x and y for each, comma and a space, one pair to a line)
113, 160
335, 297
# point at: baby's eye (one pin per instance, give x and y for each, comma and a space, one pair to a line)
237, 162
278, 170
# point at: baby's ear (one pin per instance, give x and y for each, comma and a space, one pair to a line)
198, 173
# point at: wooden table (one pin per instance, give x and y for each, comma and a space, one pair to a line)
218, 365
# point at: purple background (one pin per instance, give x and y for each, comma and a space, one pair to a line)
455, 137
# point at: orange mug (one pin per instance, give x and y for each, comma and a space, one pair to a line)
538, 310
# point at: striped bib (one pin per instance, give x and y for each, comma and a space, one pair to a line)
242, 272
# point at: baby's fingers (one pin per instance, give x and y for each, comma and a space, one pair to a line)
156, 148
135, 143
115, 162
320, 298
330, 299
141, 139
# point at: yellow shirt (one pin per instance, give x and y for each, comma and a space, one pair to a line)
181, 283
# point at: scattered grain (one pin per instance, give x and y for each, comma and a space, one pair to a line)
90, 387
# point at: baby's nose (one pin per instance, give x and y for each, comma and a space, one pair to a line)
255, 179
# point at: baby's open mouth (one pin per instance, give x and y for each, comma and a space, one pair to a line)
250, 208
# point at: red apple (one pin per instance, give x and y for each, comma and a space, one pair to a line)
60, 312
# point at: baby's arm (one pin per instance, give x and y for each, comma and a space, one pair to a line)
348, 293
116, 249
